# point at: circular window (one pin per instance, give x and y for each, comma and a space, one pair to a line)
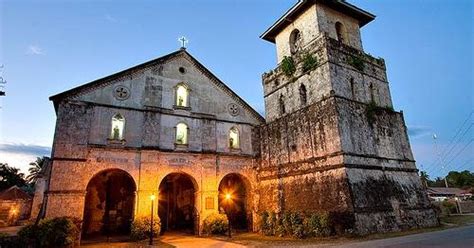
121, 92
295, 41
182, 70
233, 109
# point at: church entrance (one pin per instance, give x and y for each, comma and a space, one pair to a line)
109, 204
233, 201
176, 203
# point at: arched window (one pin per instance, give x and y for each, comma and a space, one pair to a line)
182, 134
118, 124
282, 105
182, 95
371, 88
295, 41
353, 89
303, 95
234, 141
341, 32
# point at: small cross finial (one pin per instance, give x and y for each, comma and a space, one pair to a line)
183, 41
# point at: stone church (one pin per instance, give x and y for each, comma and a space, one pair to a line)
330, 140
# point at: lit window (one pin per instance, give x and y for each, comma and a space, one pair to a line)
182, 134
118, 123
234, 138
181, 96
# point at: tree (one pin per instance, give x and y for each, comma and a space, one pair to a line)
35, 169
10, 176
463, 179
424, 178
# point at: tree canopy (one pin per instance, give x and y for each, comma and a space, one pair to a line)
463, 179
10, 176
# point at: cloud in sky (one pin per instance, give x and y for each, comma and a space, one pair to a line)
34, 50
110, 18
419, 131
20, 155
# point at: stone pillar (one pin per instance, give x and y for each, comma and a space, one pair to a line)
60, 204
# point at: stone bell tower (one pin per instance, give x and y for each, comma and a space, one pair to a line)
332, 141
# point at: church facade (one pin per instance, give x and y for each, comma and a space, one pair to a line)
330, 141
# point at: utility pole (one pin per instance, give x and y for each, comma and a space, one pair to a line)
438, 154
2, 82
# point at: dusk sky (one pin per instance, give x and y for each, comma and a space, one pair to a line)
48, 47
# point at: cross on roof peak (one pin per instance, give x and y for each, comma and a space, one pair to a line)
183, 41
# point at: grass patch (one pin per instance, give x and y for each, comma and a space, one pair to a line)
459, 220
257, 240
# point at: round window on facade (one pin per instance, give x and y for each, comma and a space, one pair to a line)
182, 70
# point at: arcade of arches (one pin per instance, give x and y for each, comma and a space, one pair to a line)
111, 196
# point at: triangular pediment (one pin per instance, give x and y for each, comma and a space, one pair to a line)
151, 85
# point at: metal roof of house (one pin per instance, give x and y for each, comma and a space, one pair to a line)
14, 193
361, 15
446, 191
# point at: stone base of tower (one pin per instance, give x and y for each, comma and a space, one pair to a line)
388, 201
333, 157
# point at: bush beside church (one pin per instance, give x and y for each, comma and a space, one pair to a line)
306, 225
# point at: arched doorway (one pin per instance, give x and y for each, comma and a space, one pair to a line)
177, 203
109, 204
236, 208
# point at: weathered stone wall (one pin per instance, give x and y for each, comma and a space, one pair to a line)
306, 23
327, 19
334, 74
313, 22
147, 168
386, 190
82, 147
301, 162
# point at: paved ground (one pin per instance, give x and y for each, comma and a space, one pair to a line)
172, 240
10, 230
456, 238
452, 238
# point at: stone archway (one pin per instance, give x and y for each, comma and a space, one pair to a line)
109, 204
177, 198
237, 208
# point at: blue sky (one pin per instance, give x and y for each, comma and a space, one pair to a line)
51, 46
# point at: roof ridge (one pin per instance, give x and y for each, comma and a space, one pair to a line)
87, 87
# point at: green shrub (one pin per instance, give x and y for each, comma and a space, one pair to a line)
309, 62
300, 225
356, 62
264, 216
450, 207
141, 228
216, 224
288, 66
56, 232
299, 231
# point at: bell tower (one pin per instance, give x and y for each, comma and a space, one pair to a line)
319, 52
332, 141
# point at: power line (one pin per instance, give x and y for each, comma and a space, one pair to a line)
464, 164
460, 151
450, 147
455, 145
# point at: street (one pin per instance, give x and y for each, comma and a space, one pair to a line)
456, 238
